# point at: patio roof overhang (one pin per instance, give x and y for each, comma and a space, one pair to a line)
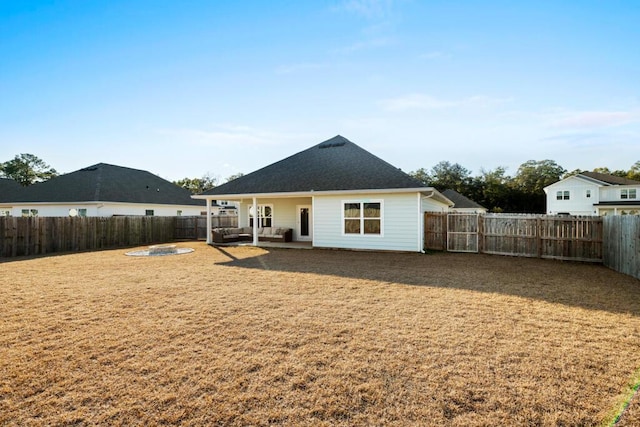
425, 191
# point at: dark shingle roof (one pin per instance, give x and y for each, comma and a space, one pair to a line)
461, 201
108, 183
610, 179
9, 189
333, 165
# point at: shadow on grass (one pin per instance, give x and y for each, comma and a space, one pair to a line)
590, 286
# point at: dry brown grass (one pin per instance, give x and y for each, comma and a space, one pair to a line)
245, 336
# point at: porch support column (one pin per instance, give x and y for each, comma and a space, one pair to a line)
209, 223
255, 221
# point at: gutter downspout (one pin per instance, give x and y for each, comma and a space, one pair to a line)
255, 221
209, 222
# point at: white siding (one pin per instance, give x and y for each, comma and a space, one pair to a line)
401, 223
430, 205
284, 210
612, 193
107, 209
578, 203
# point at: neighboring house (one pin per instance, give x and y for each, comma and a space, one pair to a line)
105, 190
463, 204
592, 193
335, 195
9, 190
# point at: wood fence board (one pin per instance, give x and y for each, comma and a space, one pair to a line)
542, 236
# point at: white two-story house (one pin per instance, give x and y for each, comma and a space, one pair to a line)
592, 193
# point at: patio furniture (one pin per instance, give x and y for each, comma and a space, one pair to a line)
245, 234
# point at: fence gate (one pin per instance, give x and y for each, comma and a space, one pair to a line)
462, 232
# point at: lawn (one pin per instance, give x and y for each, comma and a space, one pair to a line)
246, 336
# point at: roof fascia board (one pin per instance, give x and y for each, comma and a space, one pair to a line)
311, 193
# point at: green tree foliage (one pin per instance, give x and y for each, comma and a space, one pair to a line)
27, 169
445, 175
198, 185
235, 176
498, 192
634, 171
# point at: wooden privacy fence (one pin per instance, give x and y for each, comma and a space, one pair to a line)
542, 236
41, 235
195, 227
622, 244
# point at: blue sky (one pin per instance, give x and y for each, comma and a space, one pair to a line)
188, 88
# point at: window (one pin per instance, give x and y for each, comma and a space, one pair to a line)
4, 212
265, 216
588, 193
148, 212
179, 213
362, 217
629, 193
29, 212
562, 195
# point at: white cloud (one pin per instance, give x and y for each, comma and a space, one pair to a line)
594, 119
435, 55
419, 101
234, 135
370, 9
365, 45
295, 68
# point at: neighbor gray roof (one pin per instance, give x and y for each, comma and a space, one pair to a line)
610, 179
333, 165
461, 201
9, 189
108, 183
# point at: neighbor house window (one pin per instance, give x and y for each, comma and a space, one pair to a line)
265, 216
628, 193
588, 193
148, 212
562, 195
29, 212
362, 217
179, 213
4, 212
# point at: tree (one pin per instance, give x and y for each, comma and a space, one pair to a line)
492, 190
235, 176
445, 175
422, 175
198, 185
634, 171
27, 169
530, 180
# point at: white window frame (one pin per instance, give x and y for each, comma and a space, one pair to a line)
28, 213
563, 195
628, 194
362, 218
261, 216
149, 212
588, 194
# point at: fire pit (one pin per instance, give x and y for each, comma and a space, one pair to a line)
160, 250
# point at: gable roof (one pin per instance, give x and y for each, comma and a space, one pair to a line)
461, 201
336, 164
609, 179
9, 189
107, 183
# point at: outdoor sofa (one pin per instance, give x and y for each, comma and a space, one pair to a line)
245, 234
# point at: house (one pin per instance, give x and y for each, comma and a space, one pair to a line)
104, 190
592, 193
9, 190
334, 195
463, 204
